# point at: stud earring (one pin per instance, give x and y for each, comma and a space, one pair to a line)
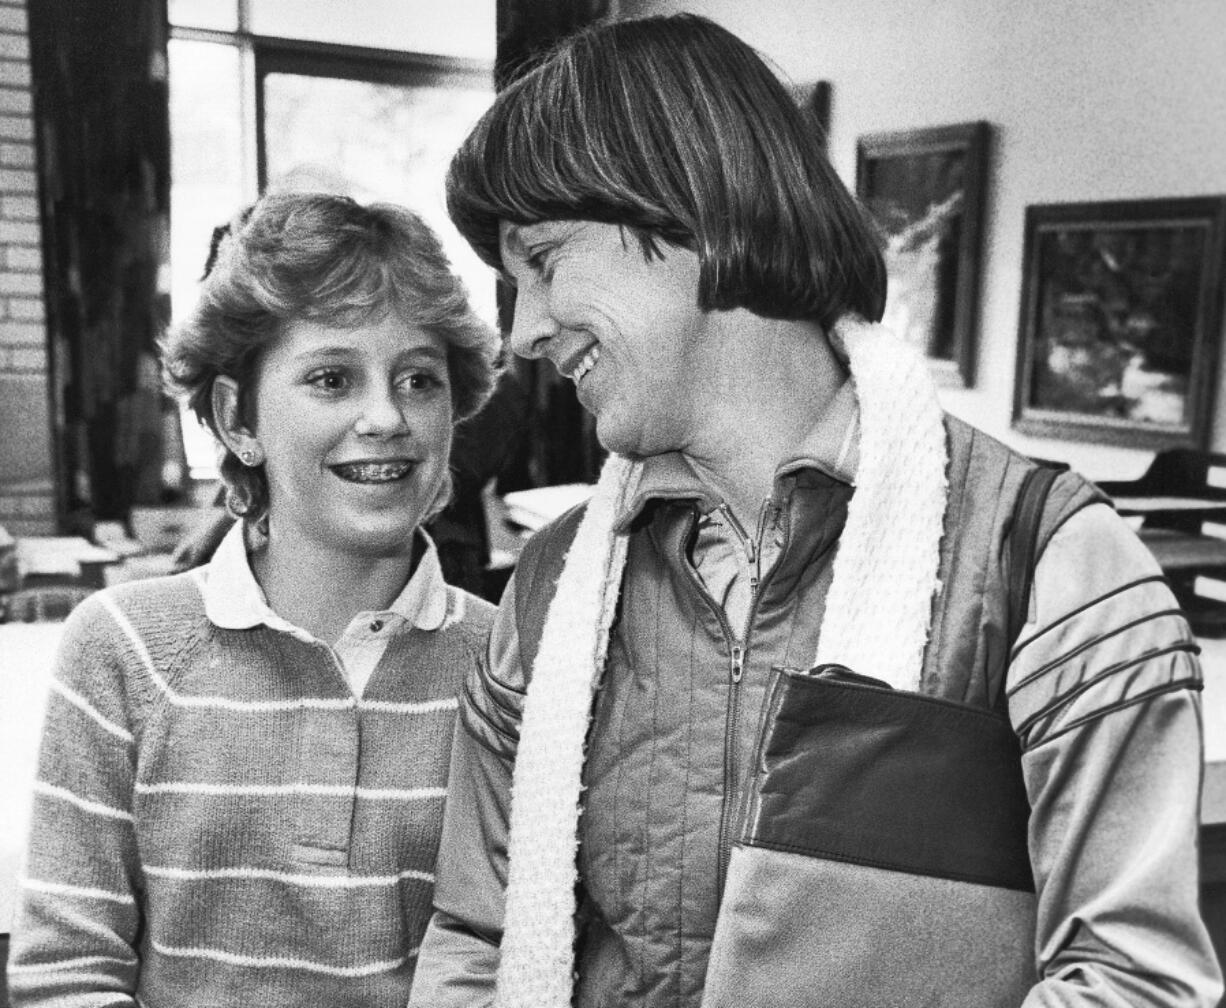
249, 457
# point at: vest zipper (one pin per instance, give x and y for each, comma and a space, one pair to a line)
736, 670
732, 790
736, 664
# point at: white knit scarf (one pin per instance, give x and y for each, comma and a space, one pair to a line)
876, 622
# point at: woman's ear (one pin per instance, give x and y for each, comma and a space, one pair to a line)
231, 429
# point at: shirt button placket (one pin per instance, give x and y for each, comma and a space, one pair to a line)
329, 756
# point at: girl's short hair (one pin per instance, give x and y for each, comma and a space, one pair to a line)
327, 259
675, 128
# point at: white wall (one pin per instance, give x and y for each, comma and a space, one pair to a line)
1091, 100
463, 28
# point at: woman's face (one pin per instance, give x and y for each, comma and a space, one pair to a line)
627, 331
355, 428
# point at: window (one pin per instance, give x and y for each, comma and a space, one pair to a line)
206, 155
252, 111
375, 132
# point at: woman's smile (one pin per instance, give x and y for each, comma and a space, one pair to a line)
588, 361
625, 328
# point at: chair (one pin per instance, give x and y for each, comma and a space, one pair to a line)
1176, 474
41, 604
1176, 500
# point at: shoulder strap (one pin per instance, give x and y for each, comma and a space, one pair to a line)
545, 554
1023, 541
536, 579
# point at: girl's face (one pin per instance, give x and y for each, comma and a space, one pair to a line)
355, 429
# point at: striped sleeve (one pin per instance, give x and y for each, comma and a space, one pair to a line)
78, 913
1104, 695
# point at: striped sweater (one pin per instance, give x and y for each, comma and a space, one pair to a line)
218, 821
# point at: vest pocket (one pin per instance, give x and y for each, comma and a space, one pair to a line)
883, 858
804, 932
851, 771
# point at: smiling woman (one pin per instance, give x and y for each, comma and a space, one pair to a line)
589, 301
240, 761
791, 551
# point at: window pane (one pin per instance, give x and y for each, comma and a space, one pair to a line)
376, 142
220, 15
206, 187
455, 28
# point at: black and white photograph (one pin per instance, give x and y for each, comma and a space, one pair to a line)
926, 189
589, 503
1122, 320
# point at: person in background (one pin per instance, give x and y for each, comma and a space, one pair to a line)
487, 447
837, 739
244, 766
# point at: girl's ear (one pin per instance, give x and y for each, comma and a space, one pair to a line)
230, 427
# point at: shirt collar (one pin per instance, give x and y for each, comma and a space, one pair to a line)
832, 445
234, 600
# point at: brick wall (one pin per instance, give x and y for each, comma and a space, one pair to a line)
27, 489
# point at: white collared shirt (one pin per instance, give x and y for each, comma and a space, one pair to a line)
234, 600
719, 554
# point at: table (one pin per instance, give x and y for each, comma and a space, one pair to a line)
63, 560
27, 652
1184, 551
1165, 504
1213, 796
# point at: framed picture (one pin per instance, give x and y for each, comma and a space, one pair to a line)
1121, 320
925, 189
817, 104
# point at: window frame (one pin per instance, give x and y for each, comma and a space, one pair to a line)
261, 55
306, 58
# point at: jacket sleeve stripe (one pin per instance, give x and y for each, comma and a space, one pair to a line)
472, 709
1091, 642
1190, 683
1072, 614
1096, 682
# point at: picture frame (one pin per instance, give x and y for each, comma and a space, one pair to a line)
817, 104
926, 190
1121, 321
